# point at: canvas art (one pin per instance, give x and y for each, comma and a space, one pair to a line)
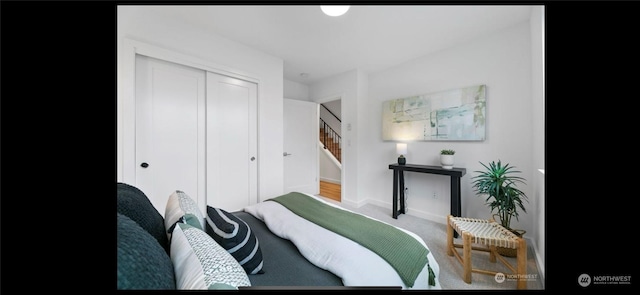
451, 115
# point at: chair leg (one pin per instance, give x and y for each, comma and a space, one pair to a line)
466, 257
449, 236
522, 263
492, 253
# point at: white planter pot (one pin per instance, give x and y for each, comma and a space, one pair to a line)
446, 161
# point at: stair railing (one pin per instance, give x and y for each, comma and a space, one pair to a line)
331, 140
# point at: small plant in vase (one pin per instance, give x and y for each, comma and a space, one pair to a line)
446, 158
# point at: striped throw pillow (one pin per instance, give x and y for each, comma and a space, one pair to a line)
233, 234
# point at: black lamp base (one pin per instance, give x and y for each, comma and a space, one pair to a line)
402, 160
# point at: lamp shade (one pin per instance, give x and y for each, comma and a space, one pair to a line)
401, 148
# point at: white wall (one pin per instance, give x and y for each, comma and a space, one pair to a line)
329, 170
510, 62
136, 24
295, 90
502, 61
335, 106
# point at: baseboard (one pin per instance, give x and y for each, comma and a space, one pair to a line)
428, 216
352, 203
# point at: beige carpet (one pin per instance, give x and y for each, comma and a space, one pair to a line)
435, 236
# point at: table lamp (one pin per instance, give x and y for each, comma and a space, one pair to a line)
401, 149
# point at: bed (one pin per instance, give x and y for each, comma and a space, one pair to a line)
285, 247
362, 251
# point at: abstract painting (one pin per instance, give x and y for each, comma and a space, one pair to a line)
452, 115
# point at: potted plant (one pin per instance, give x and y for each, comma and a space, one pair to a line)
446, 158
498, 182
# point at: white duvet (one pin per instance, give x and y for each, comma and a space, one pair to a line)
355, 264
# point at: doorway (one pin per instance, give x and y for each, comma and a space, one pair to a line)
330, 154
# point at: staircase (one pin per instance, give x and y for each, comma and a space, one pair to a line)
331, 140
329, 137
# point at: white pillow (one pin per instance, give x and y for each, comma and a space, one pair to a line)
179, 205
200, 263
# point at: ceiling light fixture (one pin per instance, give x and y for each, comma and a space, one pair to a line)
334, 10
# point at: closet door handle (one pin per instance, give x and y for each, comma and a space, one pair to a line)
253, 158
286, 154
144, 165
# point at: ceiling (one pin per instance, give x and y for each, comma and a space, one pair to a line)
368, 37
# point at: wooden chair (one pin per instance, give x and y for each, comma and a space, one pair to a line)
486, 235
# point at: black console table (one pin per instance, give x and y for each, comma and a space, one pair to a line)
398, 184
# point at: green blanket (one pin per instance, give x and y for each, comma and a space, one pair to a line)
404, 253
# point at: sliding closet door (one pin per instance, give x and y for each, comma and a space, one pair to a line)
169, 127
232, 160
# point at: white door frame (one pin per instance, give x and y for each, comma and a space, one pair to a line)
126, 110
